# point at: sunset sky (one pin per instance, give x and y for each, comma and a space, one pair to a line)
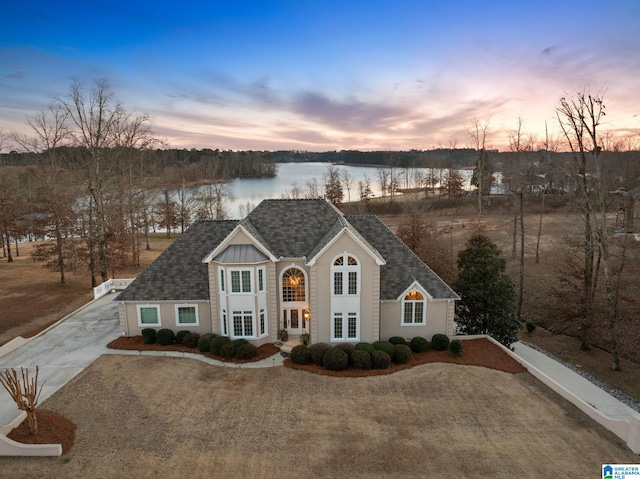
326, 75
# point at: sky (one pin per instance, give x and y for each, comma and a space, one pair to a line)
326, 75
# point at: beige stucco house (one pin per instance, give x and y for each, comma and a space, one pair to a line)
299, 265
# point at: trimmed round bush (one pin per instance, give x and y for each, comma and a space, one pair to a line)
246, 351
531, 325
191, 340
227, 350
148, 335
401, 354
380, 360
397, 340
317, 352
368, 347
440, 342
217, 343
361, 359
300, 354
239, 342
204, 342
180, 336
419, 344
165, 337
335, 359
455, 347
347, 347
385, 346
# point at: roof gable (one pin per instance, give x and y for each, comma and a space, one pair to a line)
402, 266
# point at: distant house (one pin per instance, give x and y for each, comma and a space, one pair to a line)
299, 265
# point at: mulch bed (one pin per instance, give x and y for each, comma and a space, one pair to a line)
477, 352
55, 429
52, 429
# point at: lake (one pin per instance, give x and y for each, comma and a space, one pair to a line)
251, 191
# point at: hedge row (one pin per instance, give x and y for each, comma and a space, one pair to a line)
378, 355
210, 342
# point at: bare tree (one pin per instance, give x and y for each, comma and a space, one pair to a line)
333, 185
580, 115
347, 181
478, 133
25, 392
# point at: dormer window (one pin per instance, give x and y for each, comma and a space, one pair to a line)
413, 308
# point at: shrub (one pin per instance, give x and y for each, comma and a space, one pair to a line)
217, 343
380, 360
227, 350
368, 347
385, 346
239, 342
191, 340
300, 354
401, 354
397, 340
283, 335
317, 352
440, 342
165, 337
180, 336
246, 351
419, 344
455, 347
204, 342
531, 325
361, 359
347, 347
335, 359
148, 335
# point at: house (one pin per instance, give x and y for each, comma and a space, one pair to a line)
299, 265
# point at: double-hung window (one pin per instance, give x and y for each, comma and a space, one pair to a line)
241, 281
413, 308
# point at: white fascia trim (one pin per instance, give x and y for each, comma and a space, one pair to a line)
415, 286
227, 241
347, 229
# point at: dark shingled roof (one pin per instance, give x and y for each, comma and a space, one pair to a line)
288, 229
179, 274
403, 266
293, 228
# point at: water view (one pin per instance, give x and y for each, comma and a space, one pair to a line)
248, 192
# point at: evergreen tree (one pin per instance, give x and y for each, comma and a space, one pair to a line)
483, 169
488, 295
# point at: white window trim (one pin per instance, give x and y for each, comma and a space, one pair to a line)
263, 312
243, 312
187, 325
292, 304
240, 270
345, 327
148, 325
424, 309
261, 287
224, 323
345, 269
222, 280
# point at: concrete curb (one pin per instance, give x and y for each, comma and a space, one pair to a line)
9, 447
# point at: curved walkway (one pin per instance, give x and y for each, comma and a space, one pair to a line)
65, 349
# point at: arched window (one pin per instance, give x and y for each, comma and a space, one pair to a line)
293, 286
345, 275
413, 307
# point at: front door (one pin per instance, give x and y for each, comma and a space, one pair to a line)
294, 321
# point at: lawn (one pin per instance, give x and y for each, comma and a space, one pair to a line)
171, 417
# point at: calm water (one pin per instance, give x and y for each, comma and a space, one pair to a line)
251, 191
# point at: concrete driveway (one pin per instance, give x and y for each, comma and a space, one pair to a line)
63, 351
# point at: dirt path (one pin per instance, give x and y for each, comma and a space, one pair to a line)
169, 417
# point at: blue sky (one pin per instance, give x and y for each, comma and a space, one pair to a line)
326, 75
